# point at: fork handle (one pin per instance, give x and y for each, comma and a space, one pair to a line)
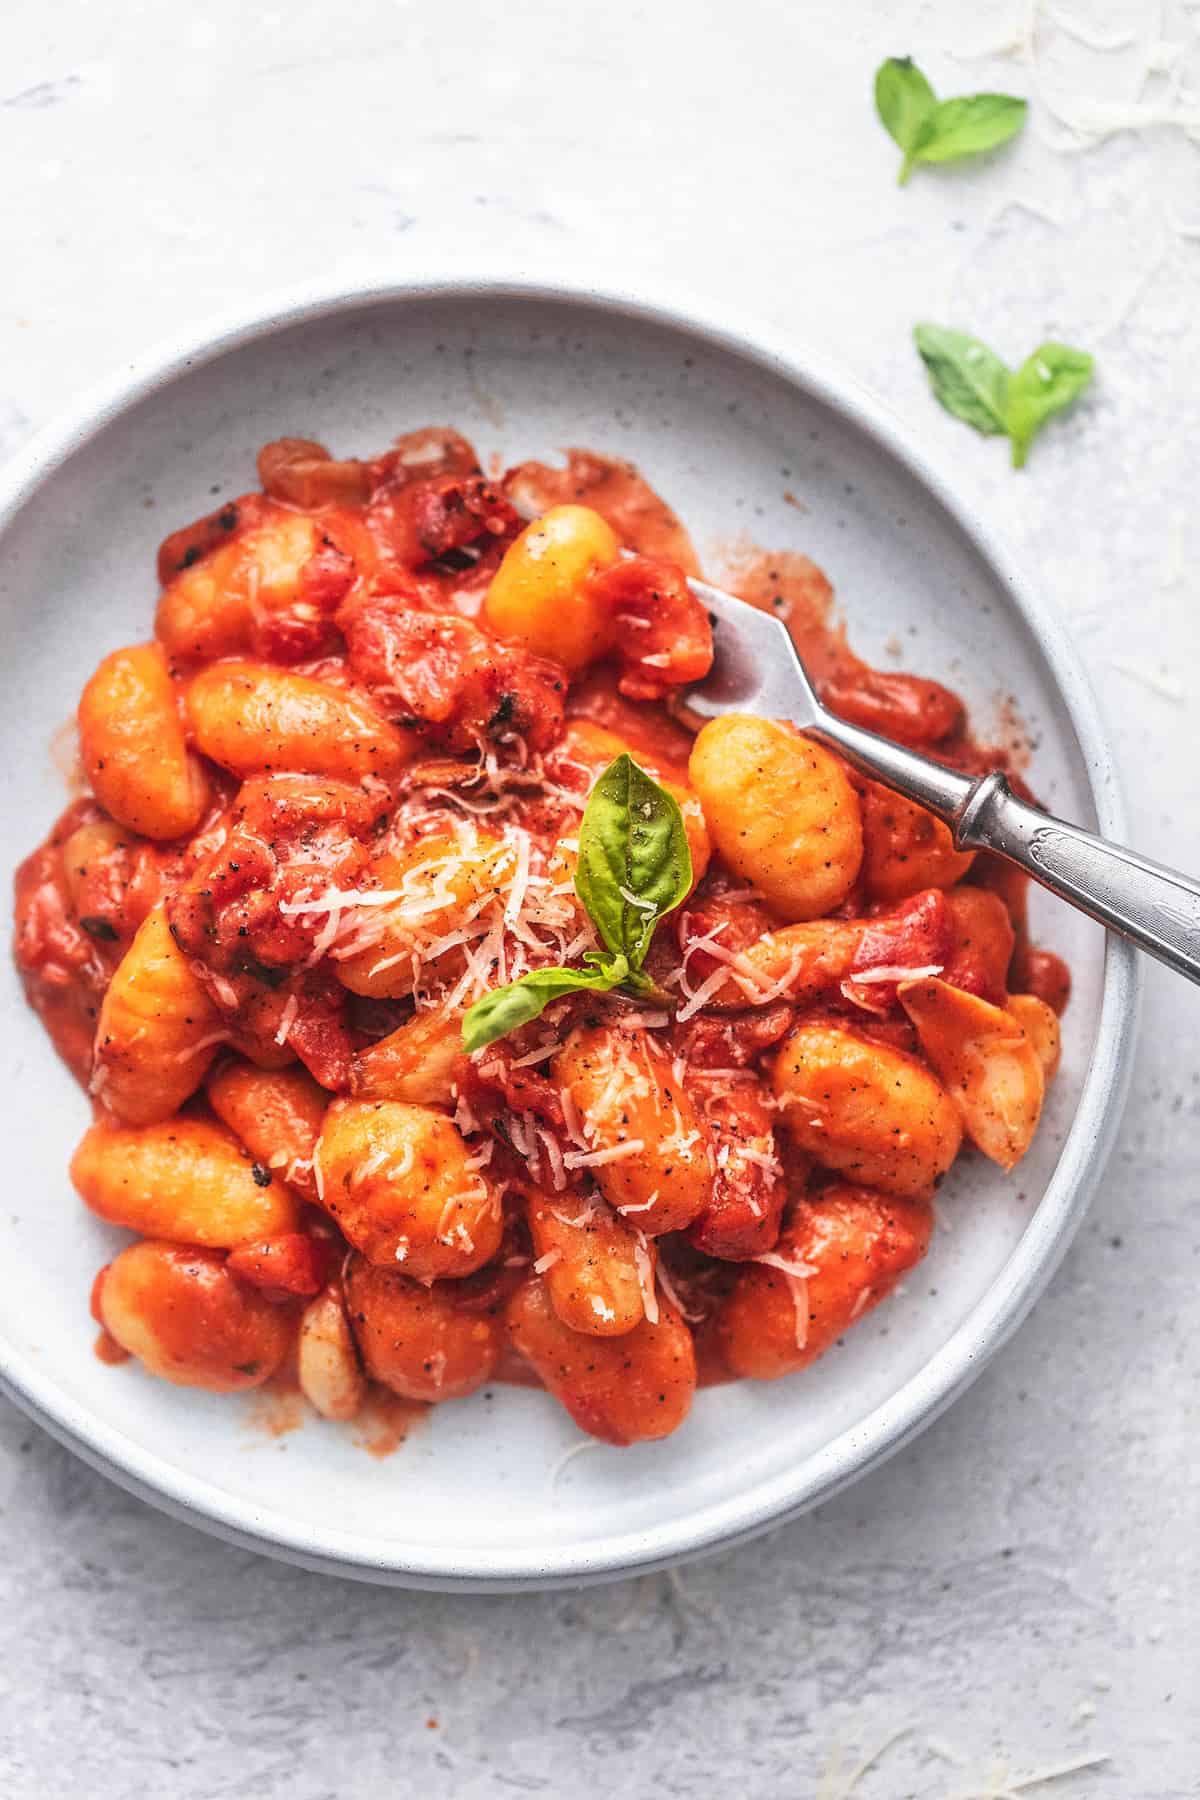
1152, 906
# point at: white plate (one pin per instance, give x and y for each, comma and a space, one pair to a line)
478, 1497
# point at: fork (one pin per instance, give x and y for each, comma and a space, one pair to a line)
757, 669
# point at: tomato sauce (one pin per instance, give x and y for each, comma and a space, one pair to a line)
368, 578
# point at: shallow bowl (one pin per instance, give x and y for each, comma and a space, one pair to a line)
746, 440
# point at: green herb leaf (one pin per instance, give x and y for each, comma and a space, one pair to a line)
929, 130
634, 866
967, 378
508, 1008
634, 861
903, 100
967, 127
972, 383
1046, 382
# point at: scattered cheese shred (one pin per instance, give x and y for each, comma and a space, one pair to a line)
644, 1207
644, 1263
895, 972
595, 1159
287, 1018
797, 1275
702, 995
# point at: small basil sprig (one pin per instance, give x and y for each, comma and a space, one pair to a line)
634, 867
972, 382
1045, 383
929, 130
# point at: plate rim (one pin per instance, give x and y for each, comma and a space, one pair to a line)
1050, 1230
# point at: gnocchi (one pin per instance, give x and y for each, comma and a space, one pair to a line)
249, 717
781, 811
644, 1140
593, 1264
277, 1114
866, 1110
179, 1311
990, 1065
419, 1340
327, 1361
158, 1031
624, 1389
842, 1253
539, 595
182, 1179
400, 1183
420, 1058
134, 750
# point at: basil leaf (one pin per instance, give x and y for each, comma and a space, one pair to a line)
971, 382
903, 100
967, 378
929, 130
506, 1009
1046, 382
634, 866
967, 126
634, 861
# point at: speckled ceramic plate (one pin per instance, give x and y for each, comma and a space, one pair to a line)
723, 424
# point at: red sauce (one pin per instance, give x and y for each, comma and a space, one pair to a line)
385, 608
912, 710
277, 1408
386, 1421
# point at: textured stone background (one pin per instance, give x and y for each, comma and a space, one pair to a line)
1018, 1589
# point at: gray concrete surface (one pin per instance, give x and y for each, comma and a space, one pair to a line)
1017, 1590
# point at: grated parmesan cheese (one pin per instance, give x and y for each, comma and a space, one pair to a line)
287, 1018
595, 1159
644, 1207
797, 1275
554, 1157
644, 1263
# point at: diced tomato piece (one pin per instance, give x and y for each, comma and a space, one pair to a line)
663, 634
417, 522
731, 1040
916, 936
446, 673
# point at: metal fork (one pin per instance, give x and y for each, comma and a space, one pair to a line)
757, 670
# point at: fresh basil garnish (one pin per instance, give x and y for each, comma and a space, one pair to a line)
969, 379
972, 382
634, 862
904, 101
634, 867
1045, 383
508, 1008
929, 130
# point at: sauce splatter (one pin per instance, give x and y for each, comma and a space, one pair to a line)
386, 1421
277, 1408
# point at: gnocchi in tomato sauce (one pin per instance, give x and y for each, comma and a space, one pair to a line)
336, 798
